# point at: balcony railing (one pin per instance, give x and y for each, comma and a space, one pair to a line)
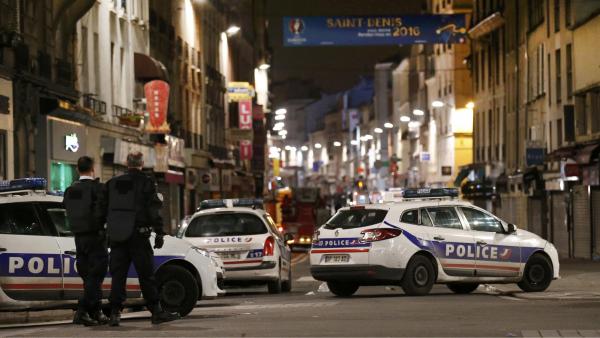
98, 107
127, 117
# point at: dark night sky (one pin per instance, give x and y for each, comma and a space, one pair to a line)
331, 68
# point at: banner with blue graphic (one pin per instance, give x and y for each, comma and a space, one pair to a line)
373, 30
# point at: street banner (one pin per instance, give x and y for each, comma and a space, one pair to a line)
157, 105
239, 91
245, 150
373, 30
245, 114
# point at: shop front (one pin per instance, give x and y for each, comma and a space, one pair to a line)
6, 130
170, 177
67, 143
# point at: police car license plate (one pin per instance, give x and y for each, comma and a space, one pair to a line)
337, 258
229, 255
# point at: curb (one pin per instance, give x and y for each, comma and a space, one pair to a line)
546, 295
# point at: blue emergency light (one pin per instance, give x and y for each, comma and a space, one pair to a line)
253, 203
430, 193
31, 183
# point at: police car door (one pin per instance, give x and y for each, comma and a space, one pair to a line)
30, 260
454, 246
498, 253
55, 215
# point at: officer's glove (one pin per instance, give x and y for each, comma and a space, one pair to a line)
159, 241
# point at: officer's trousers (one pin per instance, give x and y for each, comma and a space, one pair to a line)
137, 250
92, 263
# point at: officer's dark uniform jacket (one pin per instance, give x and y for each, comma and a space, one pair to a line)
133, 206
80, 200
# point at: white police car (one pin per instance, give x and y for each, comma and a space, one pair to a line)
37, 257
425, 237
246, 239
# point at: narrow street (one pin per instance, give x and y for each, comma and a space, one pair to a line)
375, 311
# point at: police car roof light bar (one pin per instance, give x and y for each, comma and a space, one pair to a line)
253, 203
430, 193
23, 184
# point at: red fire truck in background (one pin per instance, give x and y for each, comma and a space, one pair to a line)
302, 213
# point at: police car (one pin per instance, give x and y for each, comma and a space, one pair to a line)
37, 257
246, 239
426, 236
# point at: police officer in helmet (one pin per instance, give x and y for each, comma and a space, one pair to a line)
87, 223
133, 205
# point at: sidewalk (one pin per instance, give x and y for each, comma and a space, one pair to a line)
580, 280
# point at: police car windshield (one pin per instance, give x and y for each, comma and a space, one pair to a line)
356, 218
225, 224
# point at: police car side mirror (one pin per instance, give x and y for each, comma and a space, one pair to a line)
288, 237
511, 228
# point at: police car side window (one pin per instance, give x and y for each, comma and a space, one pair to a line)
445, 217
55, 215
410, 217
425, 219
480, 221
20, 219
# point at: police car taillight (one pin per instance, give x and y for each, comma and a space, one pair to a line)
374, 235
269, 248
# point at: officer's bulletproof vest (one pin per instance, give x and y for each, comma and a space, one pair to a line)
79, 204
121, 208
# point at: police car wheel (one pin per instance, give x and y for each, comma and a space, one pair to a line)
419, 276
275, 286
462, 288
287, 285
178, 289
342, 289
537, 275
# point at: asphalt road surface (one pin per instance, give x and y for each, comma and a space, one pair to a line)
309, 310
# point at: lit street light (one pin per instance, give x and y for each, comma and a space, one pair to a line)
264, 66
388, 125
279, 117
378, 130
282, 133
418, 112
318, 145
304, 148
281, 111
437, 104
470, 105
232, 30
337, 144
404, 119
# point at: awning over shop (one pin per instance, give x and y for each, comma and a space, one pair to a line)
176, 177
562, 153
148, 68
587, 153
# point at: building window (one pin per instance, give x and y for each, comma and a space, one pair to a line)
556, 15
559, 133
558, 77
3, 155
550, 145
535, 13
549, 81
569, 65
568, 13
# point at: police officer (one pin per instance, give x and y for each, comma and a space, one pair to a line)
87, 223
133, 205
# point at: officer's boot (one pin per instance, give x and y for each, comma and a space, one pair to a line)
99, 316
161, 316
115, 317
83, 318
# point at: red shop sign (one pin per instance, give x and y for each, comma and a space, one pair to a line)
245, 114
157, 104
245, 150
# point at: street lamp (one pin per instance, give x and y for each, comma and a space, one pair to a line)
279, 117
388, 125
354, 142
281, 111
418, 112
337, 144
437, 104
304, 148
232, 30
404, 118
264, 66
378, 130
278, 126
318, 146
470, 105
282, 133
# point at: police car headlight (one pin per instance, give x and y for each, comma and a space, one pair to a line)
202, 251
